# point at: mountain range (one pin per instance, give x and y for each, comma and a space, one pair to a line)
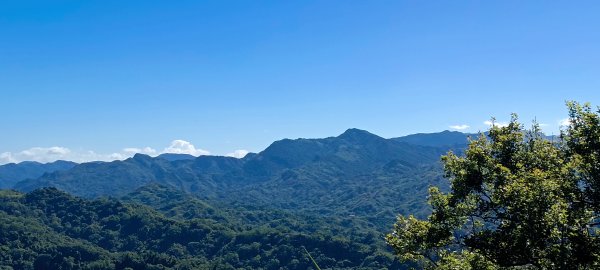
335, 196
352, 153
356, 173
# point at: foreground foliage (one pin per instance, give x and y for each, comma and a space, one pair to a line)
517, 200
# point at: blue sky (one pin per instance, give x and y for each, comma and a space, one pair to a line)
114, 77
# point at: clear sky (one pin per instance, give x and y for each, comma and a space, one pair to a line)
119, 76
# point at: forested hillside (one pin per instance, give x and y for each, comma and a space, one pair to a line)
50, 229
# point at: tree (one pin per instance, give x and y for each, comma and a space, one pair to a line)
517, 200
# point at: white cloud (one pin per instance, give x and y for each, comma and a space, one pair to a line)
51, 154
238, 153
131, 150
460, 127
145, 150
184, 147
39, 154
564, 122
6, 157
498, 124
54, 151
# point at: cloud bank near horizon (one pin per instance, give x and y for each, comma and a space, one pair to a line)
460, 127
54, 153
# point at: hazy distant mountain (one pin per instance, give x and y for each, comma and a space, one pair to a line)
440, 139
12, 173
121, 177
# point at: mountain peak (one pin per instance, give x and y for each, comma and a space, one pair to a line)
175, 157
357, 134
141, 156
141, 159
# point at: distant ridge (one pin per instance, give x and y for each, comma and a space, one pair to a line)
12, 173
445, 138
353, 152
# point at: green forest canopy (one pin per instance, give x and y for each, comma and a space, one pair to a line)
51, 229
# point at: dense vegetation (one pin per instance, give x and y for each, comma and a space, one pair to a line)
517, 201
50, 229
